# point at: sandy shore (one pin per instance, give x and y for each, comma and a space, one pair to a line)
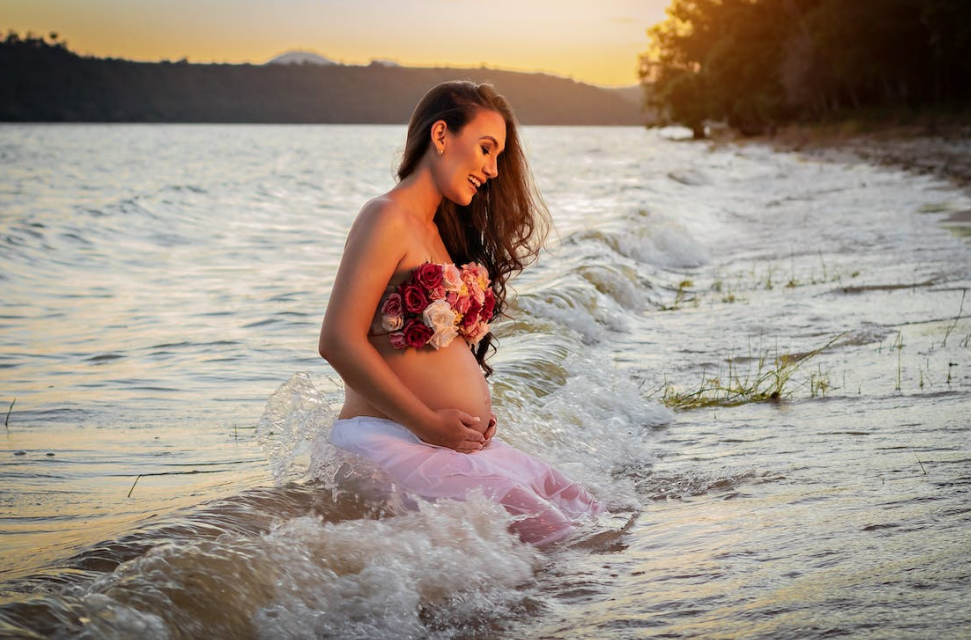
944, 150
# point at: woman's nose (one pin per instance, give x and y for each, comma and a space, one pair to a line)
491, 169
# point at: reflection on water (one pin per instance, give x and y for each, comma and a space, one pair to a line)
163, 284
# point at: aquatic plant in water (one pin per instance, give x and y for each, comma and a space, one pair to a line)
769, 382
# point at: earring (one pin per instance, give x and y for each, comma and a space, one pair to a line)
441, 150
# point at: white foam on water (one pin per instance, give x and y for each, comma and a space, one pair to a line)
437, 571
590, 424
296, 417
620, 283
664, 243
579, 309
593, 426
374, 578
109, 619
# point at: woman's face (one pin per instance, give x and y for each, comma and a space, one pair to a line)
469, 157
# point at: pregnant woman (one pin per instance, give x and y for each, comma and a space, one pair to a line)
423, 273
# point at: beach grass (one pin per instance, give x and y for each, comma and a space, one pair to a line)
769, 380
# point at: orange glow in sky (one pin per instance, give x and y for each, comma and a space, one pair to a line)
594, 41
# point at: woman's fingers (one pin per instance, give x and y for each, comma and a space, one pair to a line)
471, 444
490, 430
469, 422
454, 431
468, 419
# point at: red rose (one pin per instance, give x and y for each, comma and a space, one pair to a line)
417, 334
472, 316
488, 306
393, 305
414, 298
428, 276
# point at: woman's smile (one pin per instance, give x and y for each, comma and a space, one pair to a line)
473, 154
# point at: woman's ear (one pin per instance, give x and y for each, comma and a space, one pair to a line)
438, 136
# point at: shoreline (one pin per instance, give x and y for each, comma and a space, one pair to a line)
943, 150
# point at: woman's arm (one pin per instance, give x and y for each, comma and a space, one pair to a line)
373, 251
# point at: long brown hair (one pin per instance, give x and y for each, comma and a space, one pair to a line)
505, 225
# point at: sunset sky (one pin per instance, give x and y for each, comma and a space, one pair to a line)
595, 41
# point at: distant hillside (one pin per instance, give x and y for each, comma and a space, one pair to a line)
300, 57
48, 83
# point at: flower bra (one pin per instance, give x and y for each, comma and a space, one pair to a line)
436, 303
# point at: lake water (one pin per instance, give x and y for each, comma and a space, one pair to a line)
162, 468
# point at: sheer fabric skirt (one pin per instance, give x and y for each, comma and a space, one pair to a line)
545, 502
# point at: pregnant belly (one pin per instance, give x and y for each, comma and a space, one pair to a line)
449, 378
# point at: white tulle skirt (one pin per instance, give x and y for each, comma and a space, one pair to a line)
546, 504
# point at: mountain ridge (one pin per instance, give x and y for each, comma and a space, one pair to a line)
49, 83
300, 56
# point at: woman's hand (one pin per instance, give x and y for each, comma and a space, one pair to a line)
456, 430
490, 430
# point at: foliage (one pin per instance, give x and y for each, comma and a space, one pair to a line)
760, 63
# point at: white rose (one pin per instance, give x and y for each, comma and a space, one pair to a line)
392, 323
443, 337
438, 315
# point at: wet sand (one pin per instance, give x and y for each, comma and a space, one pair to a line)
943, 150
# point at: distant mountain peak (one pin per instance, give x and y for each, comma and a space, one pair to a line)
301, 57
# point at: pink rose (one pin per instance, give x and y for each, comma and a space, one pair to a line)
397, 340
413, 297
461, 304
417, 334
428, 276
393, 305
477, 334
437, 293
451, 278
475, 271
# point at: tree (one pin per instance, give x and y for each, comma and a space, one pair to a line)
757, 63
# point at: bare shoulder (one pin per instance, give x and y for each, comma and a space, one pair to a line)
382, 231
384, 213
